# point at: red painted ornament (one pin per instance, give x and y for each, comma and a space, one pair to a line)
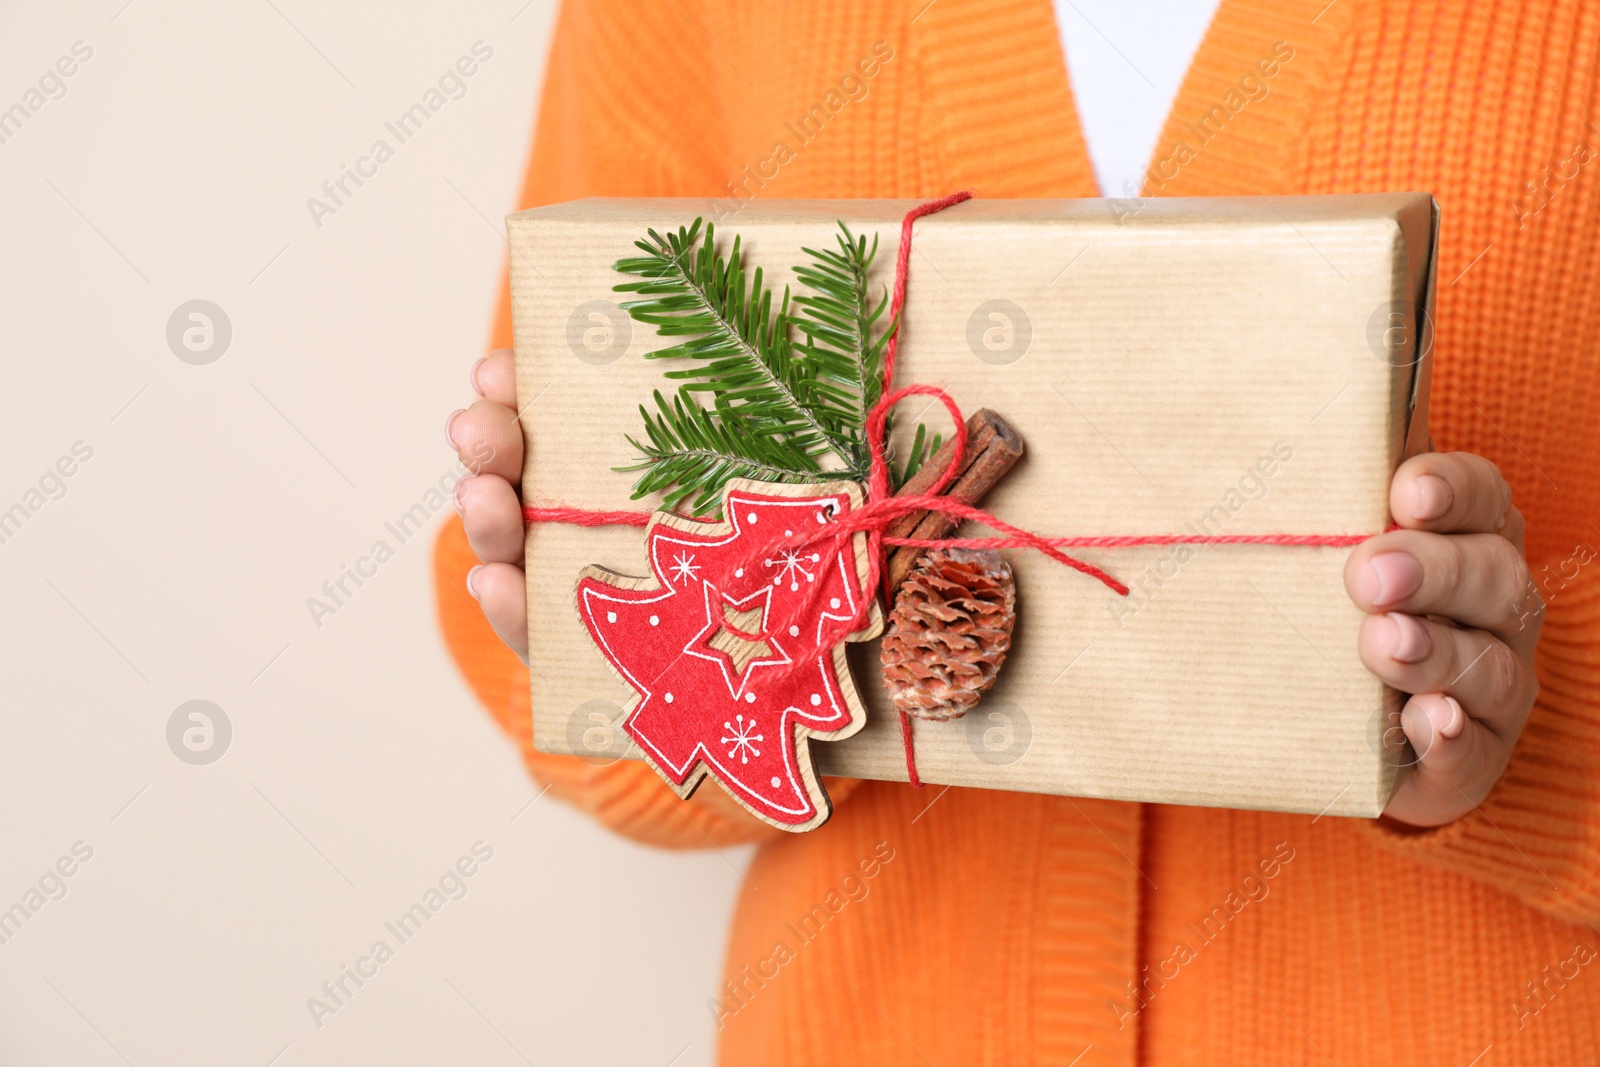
734, 644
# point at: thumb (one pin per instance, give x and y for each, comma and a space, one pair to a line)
1458, 760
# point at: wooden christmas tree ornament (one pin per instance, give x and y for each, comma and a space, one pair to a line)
734, 644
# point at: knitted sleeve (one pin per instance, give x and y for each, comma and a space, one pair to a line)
1537, 835
627, 110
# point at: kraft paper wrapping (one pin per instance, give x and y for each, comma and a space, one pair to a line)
1218, 365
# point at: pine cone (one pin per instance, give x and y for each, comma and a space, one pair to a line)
949, 632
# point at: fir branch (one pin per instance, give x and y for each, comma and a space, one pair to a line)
741, 347
782, 410
693, 452
837, 324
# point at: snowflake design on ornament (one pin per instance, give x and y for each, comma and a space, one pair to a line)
743, 739
794, 563
684, 567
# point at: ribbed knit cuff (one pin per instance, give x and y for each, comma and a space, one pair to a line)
1537, 835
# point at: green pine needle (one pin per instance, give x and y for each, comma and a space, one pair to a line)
922, 449
788, 386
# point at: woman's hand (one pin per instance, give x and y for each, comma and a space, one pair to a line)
488, 440
1453, 620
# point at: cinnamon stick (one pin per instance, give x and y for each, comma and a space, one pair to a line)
993, 448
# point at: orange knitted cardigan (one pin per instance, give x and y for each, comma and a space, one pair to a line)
1009, 928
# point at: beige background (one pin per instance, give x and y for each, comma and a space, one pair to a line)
219, 498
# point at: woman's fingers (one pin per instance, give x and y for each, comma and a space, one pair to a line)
1457, 558
1477, 580
494, 377
501, 590
1479, 670
1458, 762
492, 516
1450, 492
488, 439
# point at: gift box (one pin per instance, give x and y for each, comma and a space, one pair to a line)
1180, 370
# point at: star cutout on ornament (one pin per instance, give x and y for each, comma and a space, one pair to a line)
707, 664
734, 637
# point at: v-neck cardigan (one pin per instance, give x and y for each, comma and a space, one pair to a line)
1009, 928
